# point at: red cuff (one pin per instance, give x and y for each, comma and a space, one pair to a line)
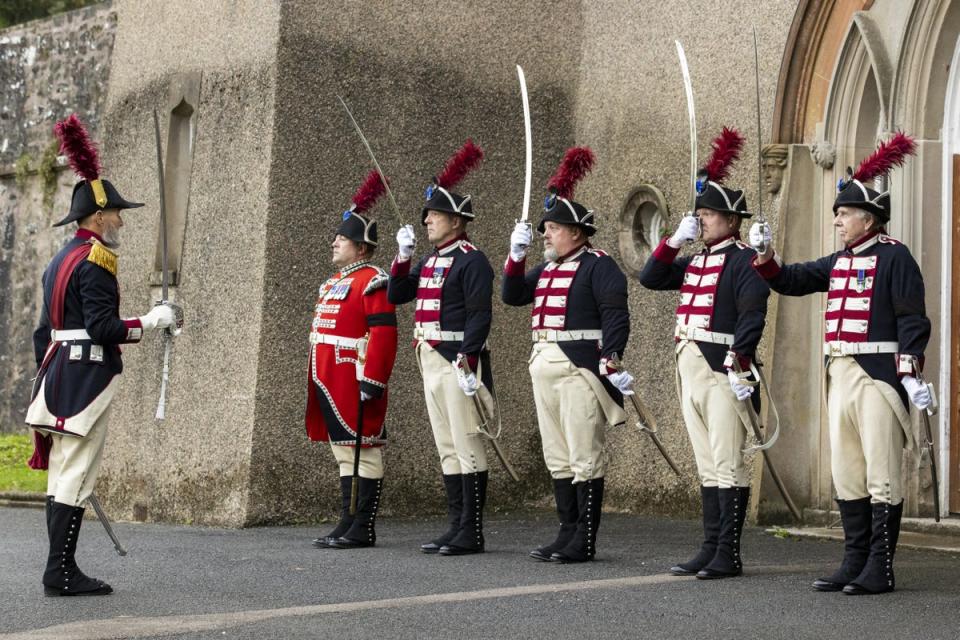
512, 269
134, 329
400, 267
769, 269
473, 361
742, 361
665, 253
905, 365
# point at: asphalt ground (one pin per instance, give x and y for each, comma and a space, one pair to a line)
190, 582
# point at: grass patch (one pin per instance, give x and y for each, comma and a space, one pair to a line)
15, 475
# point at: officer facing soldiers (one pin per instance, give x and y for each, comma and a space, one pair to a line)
353, 341
580, 326
452, 287
720, 318
78, 358
875, 335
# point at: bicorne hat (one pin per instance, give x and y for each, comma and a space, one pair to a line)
92, 193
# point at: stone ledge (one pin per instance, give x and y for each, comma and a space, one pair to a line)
22, 499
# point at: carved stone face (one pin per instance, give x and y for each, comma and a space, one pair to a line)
774, 162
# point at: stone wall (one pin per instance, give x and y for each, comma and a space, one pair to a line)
273, 162
48, 69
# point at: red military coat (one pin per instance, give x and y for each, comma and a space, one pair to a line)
351, 305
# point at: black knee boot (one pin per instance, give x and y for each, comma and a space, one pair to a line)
346, 519
583, 545
362, 533
453, 485
733, 511
565, 495
48, 509
469, 538
855, 515
62, 576
877, 573
711, 532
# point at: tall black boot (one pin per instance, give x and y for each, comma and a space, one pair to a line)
733, 511
363, 532
711, 533
583, 544
62, 576
855, 515
566, 496
346, 519
877, 573
453, 484
469, 538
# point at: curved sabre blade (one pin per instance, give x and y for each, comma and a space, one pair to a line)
688, 87
529, 144
373, 158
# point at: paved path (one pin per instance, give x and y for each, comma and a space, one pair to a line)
186, 582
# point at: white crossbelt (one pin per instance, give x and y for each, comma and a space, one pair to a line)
340, 341
551, 335
67, 335
697, 334
437, 334
836, 348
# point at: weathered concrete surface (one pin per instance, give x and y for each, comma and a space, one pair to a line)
191, 582
195, 466
48, 69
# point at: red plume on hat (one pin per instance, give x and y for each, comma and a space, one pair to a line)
726, 149
75, 143
369, 192
576, 163
888, 155
459, 165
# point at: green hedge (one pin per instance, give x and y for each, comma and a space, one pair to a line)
15, 475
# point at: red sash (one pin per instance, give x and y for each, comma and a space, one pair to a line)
42, 443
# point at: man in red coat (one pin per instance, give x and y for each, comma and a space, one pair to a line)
353, 342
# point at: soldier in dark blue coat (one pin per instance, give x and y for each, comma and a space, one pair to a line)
78, 359
875, 335
720, 318
453, 287
580, 325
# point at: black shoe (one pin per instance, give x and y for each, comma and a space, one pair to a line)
856, 516
711, 531
363, 532
726, 562
877, 574
324, 542
565, 495
469, 538
453, 485
583, 545
62, 576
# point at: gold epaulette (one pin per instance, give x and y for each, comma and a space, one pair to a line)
102, 256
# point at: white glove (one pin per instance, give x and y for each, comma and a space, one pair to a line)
687, 231
160, 317
741, 390
520, 241
761, 236
918, 392
622, 381
406, 241
364, 396
468, 382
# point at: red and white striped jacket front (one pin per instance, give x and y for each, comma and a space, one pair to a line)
699, 289
847, 318
552, 292
433, 274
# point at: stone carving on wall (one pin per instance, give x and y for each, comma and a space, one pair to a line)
824, 153
774, 162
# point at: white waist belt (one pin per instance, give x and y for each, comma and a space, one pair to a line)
702, 335
550, 335
836, 348
61, 335
436, 334
340, 341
